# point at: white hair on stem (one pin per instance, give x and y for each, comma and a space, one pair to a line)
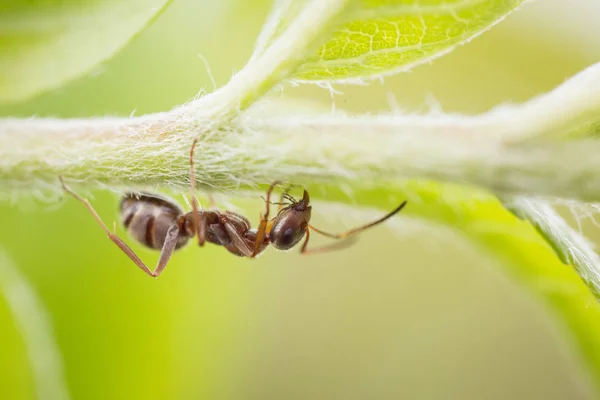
510, 150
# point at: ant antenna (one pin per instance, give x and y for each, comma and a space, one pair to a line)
362, 227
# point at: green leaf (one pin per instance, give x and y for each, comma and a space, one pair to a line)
519, 251
46, 43
381, 37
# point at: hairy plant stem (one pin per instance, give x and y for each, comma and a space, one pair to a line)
255, 150
509, 150
276, 63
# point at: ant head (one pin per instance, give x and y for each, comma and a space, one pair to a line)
289, 226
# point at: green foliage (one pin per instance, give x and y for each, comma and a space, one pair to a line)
46, 43
384, 36
192, 325
517, 249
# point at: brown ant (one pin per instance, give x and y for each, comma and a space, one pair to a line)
160, 224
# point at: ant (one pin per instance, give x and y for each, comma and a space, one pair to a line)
160, 224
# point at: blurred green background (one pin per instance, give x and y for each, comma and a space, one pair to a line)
413, 312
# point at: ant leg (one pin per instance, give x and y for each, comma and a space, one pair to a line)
305, 244
337, 246
262, 227
167, 250
362, 227
237, 239
280, 205
168, 247
199, 220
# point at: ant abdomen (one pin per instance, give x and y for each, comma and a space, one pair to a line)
148, 217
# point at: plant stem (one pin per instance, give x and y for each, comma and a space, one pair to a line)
509, 150
277, 62
255, 149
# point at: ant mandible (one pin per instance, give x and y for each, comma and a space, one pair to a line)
159, 223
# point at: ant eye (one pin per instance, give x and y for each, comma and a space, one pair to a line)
287, 238
287, 231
